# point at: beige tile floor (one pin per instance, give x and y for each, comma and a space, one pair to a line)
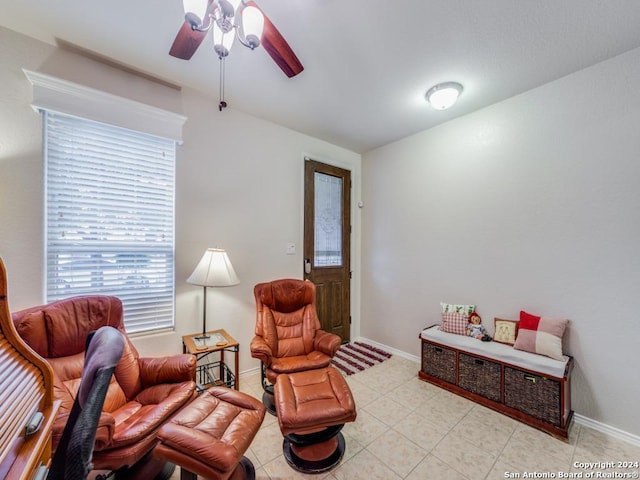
409, 429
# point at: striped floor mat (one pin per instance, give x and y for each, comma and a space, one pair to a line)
355, 357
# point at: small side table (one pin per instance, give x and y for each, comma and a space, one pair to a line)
219, 341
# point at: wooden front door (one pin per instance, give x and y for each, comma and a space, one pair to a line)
327, 243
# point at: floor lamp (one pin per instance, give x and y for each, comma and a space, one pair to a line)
213, 270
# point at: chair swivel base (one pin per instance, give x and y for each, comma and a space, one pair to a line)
244, 471
147, 467
269, 402
316, 457
245, 466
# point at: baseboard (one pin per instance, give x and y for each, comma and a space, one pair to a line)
609, 430
580, 419
251, 371
387, 348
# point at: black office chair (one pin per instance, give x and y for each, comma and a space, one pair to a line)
72, 459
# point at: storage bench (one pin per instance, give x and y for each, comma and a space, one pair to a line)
531, 388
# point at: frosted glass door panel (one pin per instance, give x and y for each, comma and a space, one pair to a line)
328, 220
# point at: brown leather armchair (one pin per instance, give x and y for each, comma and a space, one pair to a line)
143, 394
288, 337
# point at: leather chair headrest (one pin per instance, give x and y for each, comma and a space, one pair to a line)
60, 328
286, 295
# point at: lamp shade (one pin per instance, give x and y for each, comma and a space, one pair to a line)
444, 95
214, 270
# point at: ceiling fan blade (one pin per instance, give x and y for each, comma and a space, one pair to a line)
186, 42
277, 47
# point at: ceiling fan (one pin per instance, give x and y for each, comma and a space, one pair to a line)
203, 15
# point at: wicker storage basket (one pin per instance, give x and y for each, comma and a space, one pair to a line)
538, 396
439, 362
479, 376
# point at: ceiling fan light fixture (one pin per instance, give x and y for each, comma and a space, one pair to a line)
222, 42
444, 95
234, 5
195, 7
221, 15
252, 26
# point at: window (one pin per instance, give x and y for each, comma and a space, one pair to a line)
328, 220
110, 217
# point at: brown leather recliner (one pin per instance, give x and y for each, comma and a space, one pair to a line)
288, 337
143, 394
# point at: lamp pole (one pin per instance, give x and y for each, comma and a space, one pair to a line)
204, 335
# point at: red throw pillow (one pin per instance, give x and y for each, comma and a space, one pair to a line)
541, 335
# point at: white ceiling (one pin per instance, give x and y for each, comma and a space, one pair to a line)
367, 63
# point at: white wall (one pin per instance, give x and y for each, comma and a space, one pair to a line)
239, 187
530, 204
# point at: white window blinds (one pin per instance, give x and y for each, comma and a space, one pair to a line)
110, 217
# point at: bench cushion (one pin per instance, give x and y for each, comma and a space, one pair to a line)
498, 351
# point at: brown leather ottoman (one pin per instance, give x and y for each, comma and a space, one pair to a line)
312, 407
210, 435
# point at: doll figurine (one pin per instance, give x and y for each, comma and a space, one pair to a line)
475, 328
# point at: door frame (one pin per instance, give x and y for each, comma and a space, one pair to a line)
356, 207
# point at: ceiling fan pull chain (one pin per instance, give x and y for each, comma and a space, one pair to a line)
222, 103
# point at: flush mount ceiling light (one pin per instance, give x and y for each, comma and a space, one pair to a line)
443, 95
